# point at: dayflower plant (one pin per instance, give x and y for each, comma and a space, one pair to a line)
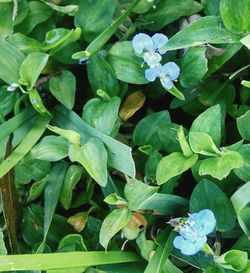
149, 48
193, 232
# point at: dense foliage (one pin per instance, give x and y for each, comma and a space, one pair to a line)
124, 136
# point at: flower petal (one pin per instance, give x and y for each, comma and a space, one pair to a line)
207, 221
166, 82
12, 87
172, 70
152, 73
186, 247
152, 58
159, 40
142, 41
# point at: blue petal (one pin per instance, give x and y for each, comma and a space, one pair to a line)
152, 58
159, 40
207, 221
171, 70
152, 73
142, 41
166, 82
187, 247
12, 87
83, 60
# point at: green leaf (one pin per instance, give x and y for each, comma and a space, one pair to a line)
36, 189
11, 59
183, 142
6, 22
51, 194
25, 146
220, 167
146, 131
244, 172
207, 29
210, 122
241, 202
59, 261
214, 269
101, 114
243, 125
69, 9
102, 39
3, 250
63, 88
7, 101
202, 143
72, 136
93, 157
92, 19
137, 192
169, 267
211, 7
162, 252
151, 165
102, 76
246, 41
113, 223
235, 15
207, 195
173, 165
51, 148
146, 246
38, 13
193, 66
119, 154
235, 260
127, 66
31, 68
165, 12
72, 242
71, 178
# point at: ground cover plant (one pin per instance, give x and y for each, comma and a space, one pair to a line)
124, 136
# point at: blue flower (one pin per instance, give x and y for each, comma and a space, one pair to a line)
13, 87
193, 232
167, 74
150, 47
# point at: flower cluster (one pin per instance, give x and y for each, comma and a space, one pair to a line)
150, 49
193, 231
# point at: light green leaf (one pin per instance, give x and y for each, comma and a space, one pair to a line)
69, 9
220, 167
60, 261
207, 29
137, 192
63, 88
11, 59
207, 195
31, 68
244, 172
235, 15
187, 152
210, 122
173, 165
241, 202
235, 260
36, 189
72, 136
93, 157
202, 143
113, 223
51, 148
